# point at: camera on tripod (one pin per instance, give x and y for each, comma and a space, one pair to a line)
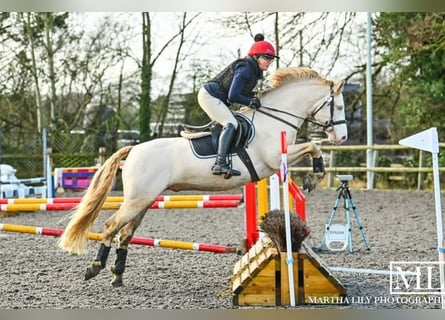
338, 236
345, 177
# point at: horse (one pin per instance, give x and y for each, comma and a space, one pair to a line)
294, 95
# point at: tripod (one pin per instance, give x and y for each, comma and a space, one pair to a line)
345, 193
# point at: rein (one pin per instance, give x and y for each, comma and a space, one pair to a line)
329, 100
261, 110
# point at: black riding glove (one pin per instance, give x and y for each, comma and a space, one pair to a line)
255, 103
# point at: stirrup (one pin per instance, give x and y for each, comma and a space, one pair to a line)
225, 169
231, 172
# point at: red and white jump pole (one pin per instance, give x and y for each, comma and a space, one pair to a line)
250, 217
164, 243
42, 206
257, 203
284, 180
251, 225
165, 198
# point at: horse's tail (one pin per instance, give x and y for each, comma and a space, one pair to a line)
75, 236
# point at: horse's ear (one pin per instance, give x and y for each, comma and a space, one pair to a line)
338, 87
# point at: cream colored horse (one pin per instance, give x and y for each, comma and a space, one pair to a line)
163, 164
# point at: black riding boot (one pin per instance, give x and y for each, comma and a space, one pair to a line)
225, 139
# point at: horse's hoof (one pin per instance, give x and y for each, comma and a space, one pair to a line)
117, 282
311, 180
242, 248
308, 183
93, 271
117, 278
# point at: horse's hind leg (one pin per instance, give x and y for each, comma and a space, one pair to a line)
101, 258
112, 225
125, 235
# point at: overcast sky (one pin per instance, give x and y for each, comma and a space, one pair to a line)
219, 46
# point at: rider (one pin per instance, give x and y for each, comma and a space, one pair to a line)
234, 84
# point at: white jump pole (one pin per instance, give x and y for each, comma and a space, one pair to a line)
49, 192
289, 258
371, 271
428, 140
274, 192
440, 242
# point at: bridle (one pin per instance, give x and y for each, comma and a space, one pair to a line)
328, 101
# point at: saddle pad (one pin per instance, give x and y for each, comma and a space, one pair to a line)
206, 147
203, 147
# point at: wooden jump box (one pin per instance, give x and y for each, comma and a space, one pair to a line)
260, 278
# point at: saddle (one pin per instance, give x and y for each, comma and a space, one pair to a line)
204, 140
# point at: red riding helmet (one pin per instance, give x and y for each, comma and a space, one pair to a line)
262, 47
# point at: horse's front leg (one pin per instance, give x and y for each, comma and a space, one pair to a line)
297, 151
125, 235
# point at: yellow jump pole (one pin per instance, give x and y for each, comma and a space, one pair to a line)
116, 205
263, 200
164, 198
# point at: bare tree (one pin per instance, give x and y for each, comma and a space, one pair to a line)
28, 24
148, 63
53, 66
144, 110
301, 38
181, 34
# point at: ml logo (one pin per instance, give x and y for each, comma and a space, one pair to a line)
413, 277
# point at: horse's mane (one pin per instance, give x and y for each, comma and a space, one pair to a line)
285, 75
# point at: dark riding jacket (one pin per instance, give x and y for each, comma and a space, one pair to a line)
236, 82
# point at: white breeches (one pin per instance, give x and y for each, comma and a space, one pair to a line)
216, 109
